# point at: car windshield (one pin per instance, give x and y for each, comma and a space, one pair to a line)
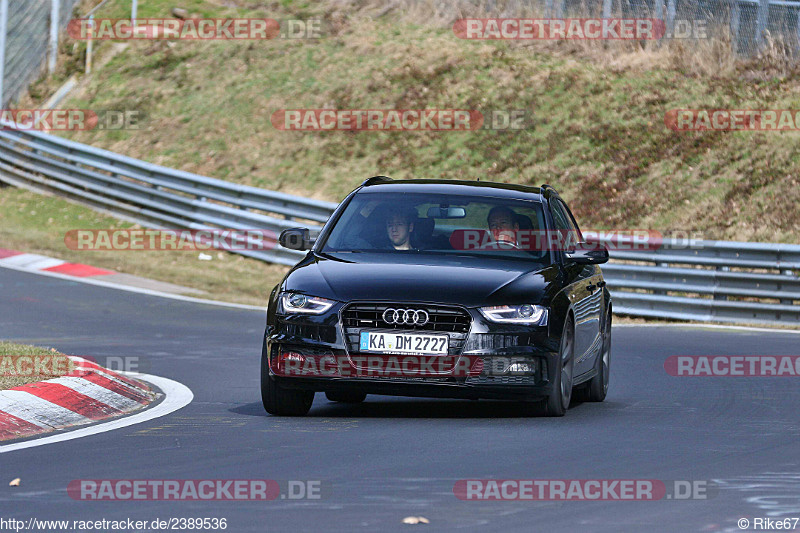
416, 223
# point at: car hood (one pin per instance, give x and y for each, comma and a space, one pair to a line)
466, 281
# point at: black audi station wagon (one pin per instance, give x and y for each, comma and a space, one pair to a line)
447, 289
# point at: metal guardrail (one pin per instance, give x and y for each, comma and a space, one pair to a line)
722, 281
152, 195
709, 281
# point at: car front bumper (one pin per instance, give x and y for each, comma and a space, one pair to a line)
482, 367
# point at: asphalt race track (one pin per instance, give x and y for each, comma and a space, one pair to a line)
390, 458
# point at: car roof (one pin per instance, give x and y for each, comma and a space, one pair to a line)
457, 187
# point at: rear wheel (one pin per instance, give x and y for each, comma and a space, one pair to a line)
346, 397
557, 403
278, 400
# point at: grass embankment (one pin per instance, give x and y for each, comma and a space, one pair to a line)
37, 224
596, 127
18, 364
597, 131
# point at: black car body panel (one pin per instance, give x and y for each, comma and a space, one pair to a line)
458, 284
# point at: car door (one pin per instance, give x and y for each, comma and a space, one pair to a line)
583, 285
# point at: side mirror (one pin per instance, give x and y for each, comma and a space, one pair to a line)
296, 239
588, 254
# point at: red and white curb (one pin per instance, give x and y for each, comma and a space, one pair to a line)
86, 395
49, 264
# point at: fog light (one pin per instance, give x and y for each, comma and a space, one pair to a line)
521, 369
291, 363
293, 357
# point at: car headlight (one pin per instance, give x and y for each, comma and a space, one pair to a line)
516, 314
294, 302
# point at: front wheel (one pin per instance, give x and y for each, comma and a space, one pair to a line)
557, 403
598, 386
280, 401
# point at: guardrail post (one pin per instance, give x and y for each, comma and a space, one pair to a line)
134, 9
3, 32
658, 264
787, 272
721, 269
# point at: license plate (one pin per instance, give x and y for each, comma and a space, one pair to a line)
403, 343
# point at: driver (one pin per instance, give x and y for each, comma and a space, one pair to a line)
399, 226
503, 224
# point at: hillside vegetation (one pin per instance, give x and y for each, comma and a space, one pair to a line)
596, 115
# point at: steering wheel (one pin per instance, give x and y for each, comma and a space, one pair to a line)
501, 245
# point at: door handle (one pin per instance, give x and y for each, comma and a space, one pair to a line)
591, 287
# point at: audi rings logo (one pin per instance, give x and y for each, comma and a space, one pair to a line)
408, 317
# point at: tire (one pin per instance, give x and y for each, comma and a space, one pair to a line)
557, 403
279, 401
597, 387
346, 397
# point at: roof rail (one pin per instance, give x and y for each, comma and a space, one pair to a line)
375, 179
546, 187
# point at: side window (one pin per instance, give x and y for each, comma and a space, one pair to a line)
571, 220
560, 217
564, 224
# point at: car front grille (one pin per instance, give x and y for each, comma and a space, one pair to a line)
442, 319
501, 380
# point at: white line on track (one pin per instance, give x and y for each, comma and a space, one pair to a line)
134, 289
709, 326
176, 396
